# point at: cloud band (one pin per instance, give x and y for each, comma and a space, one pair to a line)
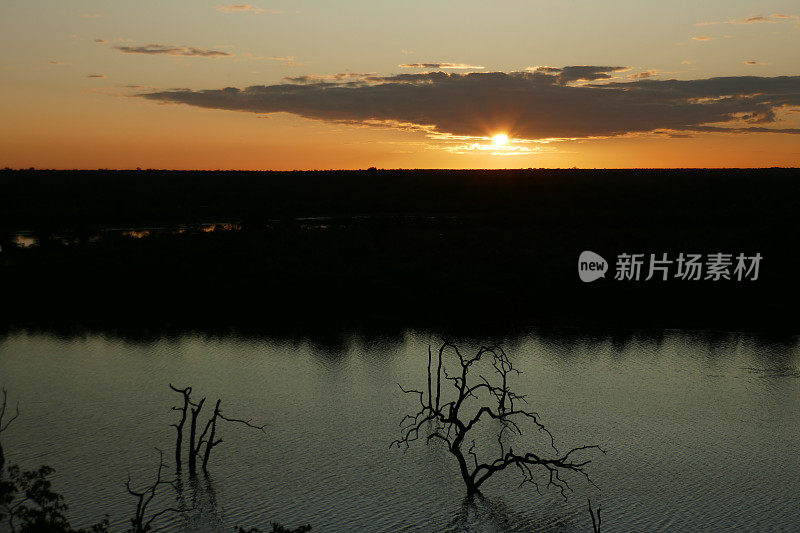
538, 104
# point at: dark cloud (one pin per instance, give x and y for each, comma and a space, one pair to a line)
96, 76
161, 49
642, 75
312, 78
578, 72
587, 73
747, 129
536, 104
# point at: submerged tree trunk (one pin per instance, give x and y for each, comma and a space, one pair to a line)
193, 449
211, 426
466, 475
179, 426
207, 437
210, 443
3, 427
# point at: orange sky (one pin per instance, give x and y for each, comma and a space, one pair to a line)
67, 99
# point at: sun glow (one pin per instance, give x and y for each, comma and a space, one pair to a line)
500, 139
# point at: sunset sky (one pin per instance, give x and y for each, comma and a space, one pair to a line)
312, 84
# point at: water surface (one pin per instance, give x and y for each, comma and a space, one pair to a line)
701, 430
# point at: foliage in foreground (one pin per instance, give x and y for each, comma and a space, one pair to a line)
30, 505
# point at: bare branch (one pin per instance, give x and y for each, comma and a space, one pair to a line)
161, 512
3, 427
595, 517
193, 447
247, 422
185, 390
495, 401
186, 393
146, 495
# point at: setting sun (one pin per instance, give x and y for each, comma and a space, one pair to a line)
500, 139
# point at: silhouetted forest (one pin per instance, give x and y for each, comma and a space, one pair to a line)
471, 250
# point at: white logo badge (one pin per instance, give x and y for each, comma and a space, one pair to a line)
591, 266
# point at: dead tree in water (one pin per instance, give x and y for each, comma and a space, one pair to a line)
478, 399
208, 437
4, 427
211, 441
179, 426
595, 518
145, 496
194, 449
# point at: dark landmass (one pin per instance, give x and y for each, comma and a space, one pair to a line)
468, 251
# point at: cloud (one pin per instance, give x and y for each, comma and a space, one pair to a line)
642, 75
96, 76
577, 72
92, 15
458, 66
244, 8
533, 105
755, 19
329, 78
752, 63
161, 49
100, 41
702, 38
289, 61
59, 63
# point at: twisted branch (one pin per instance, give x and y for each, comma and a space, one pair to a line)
448, 423
146, 495
3, 427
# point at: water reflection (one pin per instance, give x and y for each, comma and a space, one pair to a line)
482, 514
197, 498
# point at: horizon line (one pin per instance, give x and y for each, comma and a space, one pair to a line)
375, 169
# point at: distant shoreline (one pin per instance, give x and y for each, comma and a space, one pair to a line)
446, 250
